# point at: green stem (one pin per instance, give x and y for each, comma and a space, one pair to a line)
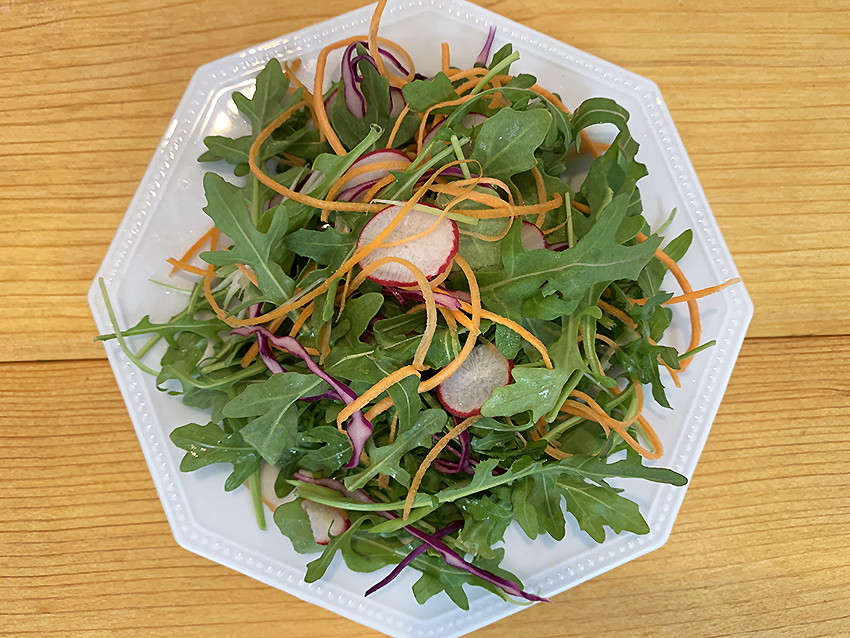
459, 152
513, 57
562, 427
257, 498
255, 200
118, 335
696, 350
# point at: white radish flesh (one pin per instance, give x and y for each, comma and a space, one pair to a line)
375, 157
325, 521
471, 385
432, 254
532, 237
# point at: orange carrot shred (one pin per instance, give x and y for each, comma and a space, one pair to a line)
426, 463
194, 248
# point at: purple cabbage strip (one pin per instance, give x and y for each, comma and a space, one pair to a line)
485, 52
451, 557
359, 427
464, 464
353, 192
448, 467
448, 529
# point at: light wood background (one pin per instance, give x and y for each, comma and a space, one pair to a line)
759, 92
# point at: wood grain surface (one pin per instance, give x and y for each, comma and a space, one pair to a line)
759, 92
757, 89
759, 548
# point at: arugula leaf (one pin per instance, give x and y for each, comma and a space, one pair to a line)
269, 93
595, 507
376, 90
208, 328
273, 433
421, 95
507, 142
209, 444
293, 522
332, 455
596, 258
326, 247
596, 469
385, 460
275, 394
485, 522
226, 208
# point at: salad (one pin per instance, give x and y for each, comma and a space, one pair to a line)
407, 316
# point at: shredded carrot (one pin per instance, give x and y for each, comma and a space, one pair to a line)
608, 340
280, 188
616, 312
427, 293
444, 48
397, 125
295, 160
248, 274
421, 135
345, 267
194, 248
344, 294
622, 316
302, 319
474, 331
181, 265
375, 391
353, 173
609, 420
542, 195
208, 275
693, 308
379, 408
462, 319
582, 208
370, 194
555, 453
513, 325
433, 454
696, 294
476, 72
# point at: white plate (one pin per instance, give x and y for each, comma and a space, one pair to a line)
165, 216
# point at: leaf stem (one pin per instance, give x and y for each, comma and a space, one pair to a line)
513, 57
118, 335
255, 486
459, 152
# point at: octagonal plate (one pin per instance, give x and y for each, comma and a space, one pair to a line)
165, 216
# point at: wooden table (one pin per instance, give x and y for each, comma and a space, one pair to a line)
759, 91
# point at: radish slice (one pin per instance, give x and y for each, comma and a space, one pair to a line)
432, 253
268, 477
532, 237
468, 389
374, 157
325, 521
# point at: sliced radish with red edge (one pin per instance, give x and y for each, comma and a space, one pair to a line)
484, 370
432, 254
374, 157
325, 521
532, 237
